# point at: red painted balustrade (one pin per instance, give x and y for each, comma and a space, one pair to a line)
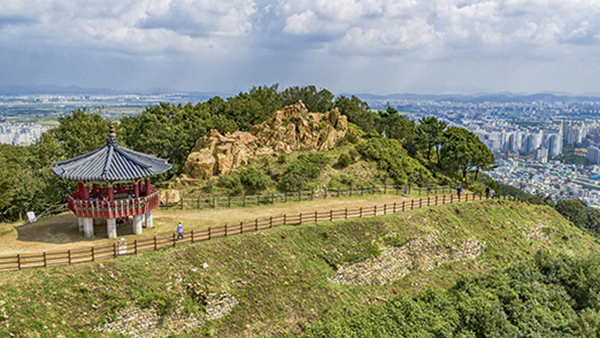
123, 207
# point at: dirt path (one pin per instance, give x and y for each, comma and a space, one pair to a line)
60, 233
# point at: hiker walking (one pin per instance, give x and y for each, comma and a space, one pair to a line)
179, 231
487, 192
458, 191
492, 192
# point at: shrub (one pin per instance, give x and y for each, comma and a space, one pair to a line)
253, 179
392, 158
353, 154
232, 183
304, 170
344, 160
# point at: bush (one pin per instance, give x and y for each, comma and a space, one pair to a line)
253, 179
305, 169
232, 183
344, 160
353, 154
392, 158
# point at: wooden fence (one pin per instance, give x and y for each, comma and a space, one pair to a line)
304, 195
47, 259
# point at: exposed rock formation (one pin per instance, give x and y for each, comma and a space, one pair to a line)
396, 262
169, 197
291, 128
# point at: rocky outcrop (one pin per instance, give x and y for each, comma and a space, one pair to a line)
136, 322
396, 262
169, 197
291, 128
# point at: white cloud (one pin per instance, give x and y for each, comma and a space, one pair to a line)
310, 39
127, 26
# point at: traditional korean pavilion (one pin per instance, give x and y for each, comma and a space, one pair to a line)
113, 183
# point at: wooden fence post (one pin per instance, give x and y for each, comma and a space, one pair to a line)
412, 204
45, 262
192, 236
19, 261
214, 205
385, 209
360, 212
316, 216
271, 222
374, 210
256, 225
346, 214
155, 243
300, 222
284, 219
421, 202
115, 249
241, 227
330, 215
198, 202
394, 207
403, 205
69, 256
209, 233
385, 189
135, 247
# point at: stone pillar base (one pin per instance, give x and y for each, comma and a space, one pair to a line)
137, 224
111, 228
148, 217
88, 227
80, 223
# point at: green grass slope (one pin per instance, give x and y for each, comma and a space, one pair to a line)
279, 276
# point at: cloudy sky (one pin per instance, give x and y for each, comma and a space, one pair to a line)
350, 46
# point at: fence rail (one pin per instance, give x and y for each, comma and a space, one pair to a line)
304, 195
48, 259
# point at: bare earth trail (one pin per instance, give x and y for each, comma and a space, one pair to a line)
60, 233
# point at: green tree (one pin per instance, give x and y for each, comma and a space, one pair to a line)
315, 100
462, 151
428, 135
81, 131
394, 125
357, 111
7, 183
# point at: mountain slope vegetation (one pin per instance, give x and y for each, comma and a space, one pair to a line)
281, 276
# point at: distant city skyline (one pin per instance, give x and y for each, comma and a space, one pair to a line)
372, 46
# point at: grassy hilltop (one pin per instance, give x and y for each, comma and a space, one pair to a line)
280, 276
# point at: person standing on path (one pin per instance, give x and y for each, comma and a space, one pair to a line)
492, 192
179, 231
458, 191
487, 192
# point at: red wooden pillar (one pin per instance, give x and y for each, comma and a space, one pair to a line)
110, 192
86, 191
147, 186
94, 190
136, 188
80, 190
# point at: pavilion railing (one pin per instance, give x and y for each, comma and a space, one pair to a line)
115, 209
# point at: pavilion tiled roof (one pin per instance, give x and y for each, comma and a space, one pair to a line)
110, 163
